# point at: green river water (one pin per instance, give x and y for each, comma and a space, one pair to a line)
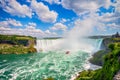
41, 65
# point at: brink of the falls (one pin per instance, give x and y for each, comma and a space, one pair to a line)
86, 45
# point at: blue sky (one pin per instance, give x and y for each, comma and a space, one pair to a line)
44, 18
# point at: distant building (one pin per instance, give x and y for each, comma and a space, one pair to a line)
116, 35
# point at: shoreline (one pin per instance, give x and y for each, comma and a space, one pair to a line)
90, 66
73, 77
111, 66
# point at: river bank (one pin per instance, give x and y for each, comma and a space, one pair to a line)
42, 65
108, 58
14, 44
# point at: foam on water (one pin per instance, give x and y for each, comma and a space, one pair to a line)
38, 66
86, 45
54, 63
48, 44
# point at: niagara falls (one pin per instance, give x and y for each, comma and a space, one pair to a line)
59, 39
49, 61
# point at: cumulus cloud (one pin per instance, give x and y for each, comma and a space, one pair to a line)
10, 22
15, 8
43, 12
30, 30
31, 25
50, 33
112, 20
59, 26
107, 20
81, 27
113, 26
53, 1
92, 21
117, 6
83, 6
86, 26
27, 31
63, 20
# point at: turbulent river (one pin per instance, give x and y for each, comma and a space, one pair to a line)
47, 62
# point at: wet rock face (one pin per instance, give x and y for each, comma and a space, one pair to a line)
117, 76
105, 42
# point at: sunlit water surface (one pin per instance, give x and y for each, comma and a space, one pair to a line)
41, 65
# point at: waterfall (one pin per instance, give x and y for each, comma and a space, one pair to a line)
47, 44
87, 45
98, 44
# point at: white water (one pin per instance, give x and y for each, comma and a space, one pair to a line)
48, 44
87, 45
52, 63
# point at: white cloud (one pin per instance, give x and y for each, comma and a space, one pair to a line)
113, 26
92, 20
54, 34
27, 31
82, 27
15, 8
111, 20
31, 25
48, 33
87, 26
10, 22
59, 26
117, 6
64, 20
53, 1
30, 30
107, 17
43, 12
83, 6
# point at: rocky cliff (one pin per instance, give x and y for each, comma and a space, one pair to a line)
110, 65
97, 58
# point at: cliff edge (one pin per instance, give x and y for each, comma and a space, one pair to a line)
14, 44
108, 58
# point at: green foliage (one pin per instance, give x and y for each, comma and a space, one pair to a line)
15, 40
111, 64
86, 75
10, 44
97, 58
112, 46
110, 67
15, 49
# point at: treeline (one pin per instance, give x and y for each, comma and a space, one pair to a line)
15, 39
14, 44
